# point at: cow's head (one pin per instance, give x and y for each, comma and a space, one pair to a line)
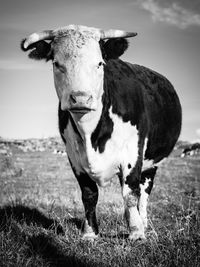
78, 54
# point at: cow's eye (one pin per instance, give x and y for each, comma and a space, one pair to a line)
56, 64
101, 63
59, 66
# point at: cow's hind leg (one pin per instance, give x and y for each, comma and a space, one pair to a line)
89, 197
131, 193
146, 184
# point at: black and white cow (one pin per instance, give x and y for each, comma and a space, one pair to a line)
115, 118
191, 150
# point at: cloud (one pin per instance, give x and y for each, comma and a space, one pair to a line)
172, 13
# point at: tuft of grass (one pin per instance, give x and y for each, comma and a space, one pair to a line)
8, 167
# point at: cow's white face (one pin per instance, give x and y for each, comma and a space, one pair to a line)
78, 73
78, 66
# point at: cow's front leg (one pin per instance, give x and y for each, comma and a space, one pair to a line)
131, 194
89, 197
146, 185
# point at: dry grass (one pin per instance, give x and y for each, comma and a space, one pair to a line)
41, 217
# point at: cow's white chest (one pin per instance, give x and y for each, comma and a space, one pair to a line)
120, 153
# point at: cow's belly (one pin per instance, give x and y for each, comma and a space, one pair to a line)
119, 156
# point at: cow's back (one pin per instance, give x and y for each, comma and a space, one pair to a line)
146, 98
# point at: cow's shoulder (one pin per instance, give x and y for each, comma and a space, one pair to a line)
125, 72
124, 90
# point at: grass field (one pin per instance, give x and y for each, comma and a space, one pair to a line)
41, 216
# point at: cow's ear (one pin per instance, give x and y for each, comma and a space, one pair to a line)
114, 48
39, 50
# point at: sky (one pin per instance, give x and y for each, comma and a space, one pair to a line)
168, 42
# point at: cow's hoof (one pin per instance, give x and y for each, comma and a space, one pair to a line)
89, 236
137, 236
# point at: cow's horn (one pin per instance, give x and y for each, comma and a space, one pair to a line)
116, 34
47, 35
35, 37
50, 34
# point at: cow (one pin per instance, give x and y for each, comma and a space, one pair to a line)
116, 119
191, 150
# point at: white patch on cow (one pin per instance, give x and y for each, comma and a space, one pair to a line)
192, 153
146, 163
135, 223
143, 201
125, 137
120, 150
126, 190
149, 163
88, 232
132, 215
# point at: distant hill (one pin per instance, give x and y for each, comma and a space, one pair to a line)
33, 144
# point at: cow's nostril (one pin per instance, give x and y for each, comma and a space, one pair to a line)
89, 99
79, 99
73, 99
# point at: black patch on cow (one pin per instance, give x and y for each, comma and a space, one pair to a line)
102, 133
89, 191
63, 118
148, 174
90, 195
104, 128
133, 179
103, 52
114, 48
126, 94
163, 112
129, 166
39, 50
195, 146
148, 101
125, 98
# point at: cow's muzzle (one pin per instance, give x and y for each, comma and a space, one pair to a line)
80, 102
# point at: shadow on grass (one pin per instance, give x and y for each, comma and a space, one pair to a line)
28, 215
53, 252
79, 223
34, 242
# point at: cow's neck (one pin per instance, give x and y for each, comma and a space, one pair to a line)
96, 126
87, 123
